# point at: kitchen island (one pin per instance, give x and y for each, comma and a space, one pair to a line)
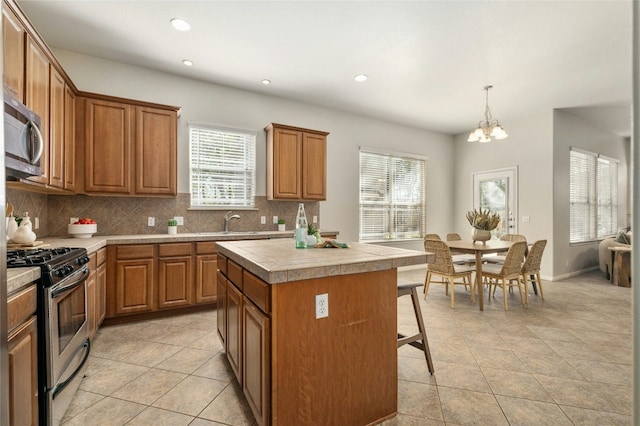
295, 365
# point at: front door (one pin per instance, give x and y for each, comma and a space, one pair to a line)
496, 190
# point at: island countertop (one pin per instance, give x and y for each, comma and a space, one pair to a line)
278, 261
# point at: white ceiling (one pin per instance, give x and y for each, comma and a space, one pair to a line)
427, 61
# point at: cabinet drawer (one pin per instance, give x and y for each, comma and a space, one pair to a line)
234, 273
177, 249
134, 251
222, 264
208, 247
101, 256
257, 290
93, 263
21, 306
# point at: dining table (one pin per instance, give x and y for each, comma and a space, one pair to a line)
479, 248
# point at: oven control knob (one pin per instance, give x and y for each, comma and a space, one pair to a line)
82, 260
64, 270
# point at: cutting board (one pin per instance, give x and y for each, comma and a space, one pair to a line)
26, 245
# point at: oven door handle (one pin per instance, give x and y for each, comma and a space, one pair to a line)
62, 289
86, 347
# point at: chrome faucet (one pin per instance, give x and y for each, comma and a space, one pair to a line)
227, 218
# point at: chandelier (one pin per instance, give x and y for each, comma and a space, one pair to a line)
489, 127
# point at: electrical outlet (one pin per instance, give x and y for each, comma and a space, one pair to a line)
275, 219
36, 223
263, 220
322, 305
151, 221
525, 219
180, 220
73, 220
315, 219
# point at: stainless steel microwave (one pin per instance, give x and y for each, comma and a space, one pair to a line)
23, 142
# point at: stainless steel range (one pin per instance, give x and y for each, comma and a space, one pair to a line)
63, 343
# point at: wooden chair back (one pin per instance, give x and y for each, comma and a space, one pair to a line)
534, 258
513, 261
453, 237
442, 262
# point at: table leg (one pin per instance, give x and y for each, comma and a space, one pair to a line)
479, 280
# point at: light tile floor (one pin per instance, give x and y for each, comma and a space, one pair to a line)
566, 360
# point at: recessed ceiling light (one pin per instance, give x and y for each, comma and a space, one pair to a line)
180, 24
266, 81
187, 62
360, 77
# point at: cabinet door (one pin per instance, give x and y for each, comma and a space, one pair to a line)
69, 139
134, 286
174, 281
314, 166
56, 130
91, 304
13, 36
156, 147
101, 294
37, 98
206, 272
287, 161
234, 329
107, 147
221, 312
23, 374
256, 361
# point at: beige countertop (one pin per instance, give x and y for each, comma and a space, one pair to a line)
19, 277
278, 261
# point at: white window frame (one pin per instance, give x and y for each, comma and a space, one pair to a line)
222, 167
593, 196
385, 206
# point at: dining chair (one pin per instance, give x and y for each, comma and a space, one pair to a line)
431, 237
531, 269
442, 266
418, 340
460, 258
499, 257
508, 272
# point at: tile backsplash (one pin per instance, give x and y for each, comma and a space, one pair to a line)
128, 215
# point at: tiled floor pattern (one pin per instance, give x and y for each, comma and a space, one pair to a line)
566, 360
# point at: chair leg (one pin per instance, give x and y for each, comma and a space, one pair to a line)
453, 290
539, 283
520, 291
473, 298
504, 292
422, 330
427, 281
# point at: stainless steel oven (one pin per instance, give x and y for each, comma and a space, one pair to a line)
67, 342
63, 342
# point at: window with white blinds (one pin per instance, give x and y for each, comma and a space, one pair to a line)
593, 196
392, 196
222, 167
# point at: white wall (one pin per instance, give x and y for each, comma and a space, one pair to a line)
572, 131
214, 104
529, 147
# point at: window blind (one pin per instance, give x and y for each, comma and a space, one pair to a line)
392, 196
593, 196
222, 167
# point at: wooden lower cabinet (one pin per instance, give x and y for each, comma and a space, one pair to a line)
221, 310
146, 278
23, 358
256, 360
175, 275
233, 307
96, 290
206, 272
299, 370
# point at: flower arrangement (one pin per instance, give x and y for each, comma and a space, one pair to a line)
483, 219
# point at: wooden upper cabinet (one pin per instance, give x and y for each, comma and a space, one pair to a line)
107, 147
129, 149
296, 163
156, 152
57, 130
69, 139
37, 98
13, 38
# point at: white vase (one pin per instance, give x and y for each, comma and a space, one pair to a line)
173, 230
281, 227
480, 235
